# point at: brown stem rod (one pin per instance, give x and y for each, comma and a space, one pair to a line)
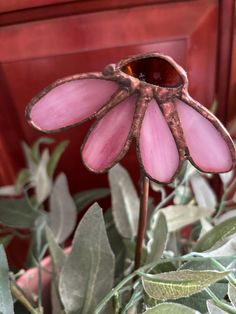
142, 220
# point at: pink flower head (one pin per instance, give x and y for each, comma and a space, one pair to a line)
144, 98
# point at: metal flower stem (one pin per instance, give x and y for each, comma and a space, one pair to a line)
142, 220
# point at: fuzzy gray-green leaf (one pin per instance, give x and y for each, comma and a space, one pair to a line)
227, 248
157, 242
17, 213
203, 192
168, 308
57, 254
40, 178
87, 275
55, 157
58, 260
22, 178
218, 233
125, 202
178, 284
63, 213
86, 198
35, 152
6, 302
178, 216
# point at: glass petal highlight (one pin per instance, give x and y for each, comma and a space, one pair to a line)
107, 142
207, 147
71, 102
158, 150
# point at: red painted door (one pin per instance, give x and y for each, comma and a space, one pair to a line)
41, 44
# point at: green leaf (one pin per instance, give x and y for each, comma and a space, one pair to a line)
58, 260
208, 263
178, 284
35, 153
22, 178
38, 241
179, 216
17, 213
117, 245
158, 239
198, 301
40, 178
164, 267
203, 192
86, 198
130, 245
232, 294
57, 307
55, 157
57, 254
28, 157
225, 249
218, 233
63, 213
125, 202
6, 302
167, 308
87, 275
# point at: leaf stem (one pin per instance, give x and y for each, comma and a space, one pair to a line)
113, 292
230, 278
116, 303
18, 294
219, 303
142, 220
166, 200
227, 191
171, 195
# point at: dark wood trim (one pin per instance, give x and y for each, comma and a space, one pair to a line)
224, 59
35, 13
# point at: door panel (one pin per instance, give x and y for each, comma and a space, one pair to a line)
38, 52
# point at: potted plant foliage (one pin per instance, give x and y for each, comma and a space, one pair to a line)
137, 256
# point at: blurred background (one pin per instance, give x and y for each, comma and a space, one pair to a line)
43, 40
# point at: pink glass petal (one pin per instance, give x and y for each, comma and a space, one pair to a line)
208, 149
71, 102
107, 140
159, 153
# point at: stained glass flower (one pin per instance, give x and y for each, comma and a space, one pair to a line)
142, 98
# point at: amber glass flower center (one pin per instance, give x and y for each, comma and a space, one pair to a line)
154, 70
